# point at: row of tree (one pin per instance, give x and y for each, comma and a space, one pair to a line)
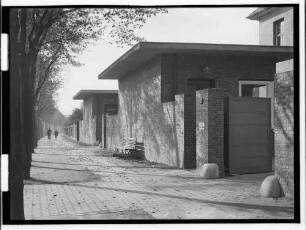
42, 41
76, 115
55, 121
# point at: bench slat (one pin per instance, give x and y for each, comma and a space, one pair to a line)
130, 146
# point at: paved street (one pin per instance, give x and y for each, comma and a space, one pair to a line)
71, 181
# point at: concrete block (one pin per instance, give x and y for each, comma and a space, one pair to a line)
209, 171
271, 187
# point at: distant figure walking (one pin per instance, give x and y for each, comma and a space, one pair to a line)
49, 133
55, 134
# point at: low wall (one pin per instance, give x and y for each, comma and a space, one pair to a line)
88, 131
114, 132
71, 131
168, 133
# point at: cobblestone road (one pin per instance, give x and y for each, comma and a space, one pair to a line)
71, 181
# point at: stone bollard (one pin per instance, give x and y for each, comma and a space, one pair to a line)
209, 171
270, 187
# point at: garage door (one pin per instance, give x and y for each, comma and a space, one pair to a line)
249, 130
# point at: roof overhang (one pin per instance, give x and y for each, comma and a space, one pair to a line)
83, 94
144, 51
260, 12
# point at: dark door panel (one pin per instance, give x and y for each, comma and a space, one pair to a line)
249, 131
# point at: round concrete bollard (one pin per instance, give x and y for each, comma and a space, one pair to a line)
270, 187
209, 171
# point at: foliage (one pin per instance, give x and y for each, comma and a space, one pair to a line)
60, 35
76, 115
67, 32
58, 119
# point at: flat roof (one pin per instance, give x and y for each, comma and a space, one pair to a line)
144, 51
83, 94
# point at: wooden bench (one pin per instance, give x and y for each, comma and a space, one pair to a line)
128, 146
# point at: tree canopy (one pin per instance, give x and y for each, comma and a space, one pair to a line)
59, 35
76, 115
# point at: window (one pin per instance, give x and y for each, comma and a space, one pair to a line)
278, 27
258, 89
248, 90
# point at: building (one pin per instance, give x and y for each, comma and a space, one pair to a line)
276, 28
191, 104
96, 103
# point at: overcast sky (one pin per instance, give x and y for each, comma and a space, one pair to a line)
201, 25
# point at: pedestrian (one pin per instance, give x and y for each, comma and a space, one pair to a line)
49, 133
55, 134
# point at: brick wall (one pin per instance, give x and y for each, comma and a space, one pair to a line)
184, 128
284, 138
202, 133
179, 127
168, 73
103, 128
210, 137
155, 108
225, 69
189, 131
103, 99
99, 128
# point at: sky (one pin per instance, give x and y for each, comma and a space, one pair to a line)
199, 25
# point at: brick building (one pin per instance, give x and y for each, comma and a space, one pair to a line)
96, 103
276, 28
181, 100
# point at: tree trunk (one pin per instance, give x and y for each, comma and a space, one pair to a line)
29, 118
26, 115
16, 154
28, 71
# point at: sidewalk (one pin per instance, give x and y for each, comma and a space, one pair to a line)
70, 181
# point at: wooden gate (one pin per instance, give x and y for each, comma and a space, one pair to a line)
249, 132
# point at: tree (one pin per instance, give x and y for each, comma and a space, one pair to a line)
55, 120
47, 82
76, 115
55, 36
16, 127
